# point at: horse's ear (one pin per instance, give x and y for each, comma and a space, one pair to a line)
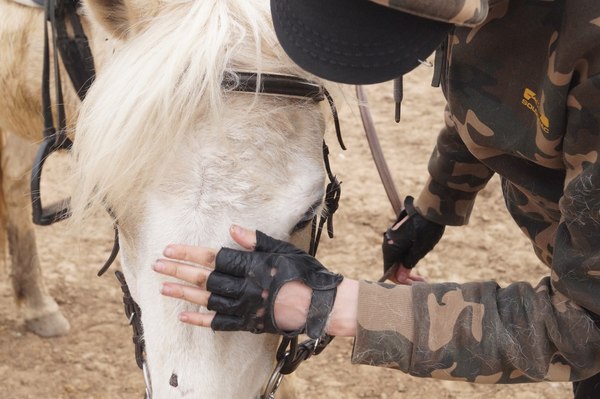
115, 16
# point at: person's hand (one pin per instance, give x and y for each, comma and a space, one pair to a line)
275, 288
409, 239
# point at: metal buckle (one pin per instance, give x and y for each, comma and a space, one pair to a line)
57, 211
275, 380
147, 381
316, 346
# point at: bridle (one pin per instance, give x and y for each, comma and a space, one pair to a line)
78, 61
290, 353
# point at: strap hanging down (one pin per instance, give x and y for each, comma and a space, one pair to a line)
377, 152
78, 61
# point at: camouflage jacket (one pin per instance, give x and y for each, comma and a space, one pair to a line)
523, 91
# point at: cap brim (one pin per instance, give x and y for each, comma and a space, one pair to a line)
354, 41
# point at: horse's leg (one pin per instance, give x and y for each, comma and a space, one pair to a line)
40, 311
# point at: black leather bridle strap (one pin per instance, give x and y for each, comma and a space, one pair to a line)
283, 85
279, 85
134, 315
74, 50
290, 353
113, 253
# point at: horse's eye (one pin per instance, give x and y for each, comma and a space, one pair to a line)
302, 224
309, 215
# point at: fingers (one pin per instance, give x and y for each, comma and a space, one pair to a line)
233, 262
402, 275
188, 293
196, 295
244, 237
206, 256
417, 279
197, 319
198, 276
192, 254
390, 273
191, 274
405, 276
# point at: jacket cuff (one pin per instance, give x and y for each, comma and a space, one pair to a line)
385, 327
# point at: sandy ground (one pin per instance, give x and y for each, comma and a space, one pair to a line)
96, 359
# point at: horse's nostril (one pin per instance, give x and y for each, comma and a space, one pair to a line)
173, 380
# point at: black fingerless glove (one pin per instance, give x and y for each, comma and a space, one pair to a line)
412, 240
240, 277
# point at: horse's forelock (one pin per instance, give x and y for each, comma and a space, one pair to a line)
161, 85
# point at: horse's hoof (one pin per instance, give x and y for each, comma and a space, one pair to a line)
50, 325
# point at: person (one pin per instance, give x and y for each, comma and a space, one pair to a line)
522, 83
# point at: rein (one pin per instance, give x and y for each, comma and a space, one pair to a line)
439, 65
377, 152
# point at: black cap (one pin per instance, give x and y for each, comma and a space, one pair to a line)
354, 41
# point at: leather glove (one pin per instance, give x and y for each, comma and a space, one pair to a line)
240, 277
412, 240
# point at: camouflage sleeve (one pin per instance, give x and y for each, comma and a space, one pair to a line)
476, 332
456, 177
480, 332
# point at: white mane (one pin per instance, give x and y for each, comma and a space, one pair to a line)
172, 72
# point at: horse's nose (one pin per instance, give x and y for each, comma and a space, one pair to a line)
173, 380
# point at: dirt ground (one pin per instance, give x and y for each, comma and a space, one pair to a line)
96, 359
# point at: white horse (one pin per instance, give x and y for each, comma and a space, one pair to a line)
178, 158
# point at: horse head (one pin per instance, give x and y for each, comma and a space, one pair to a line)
177, 155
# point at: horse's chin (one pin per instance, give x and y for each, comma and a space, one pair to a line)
187, 369
186, 361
